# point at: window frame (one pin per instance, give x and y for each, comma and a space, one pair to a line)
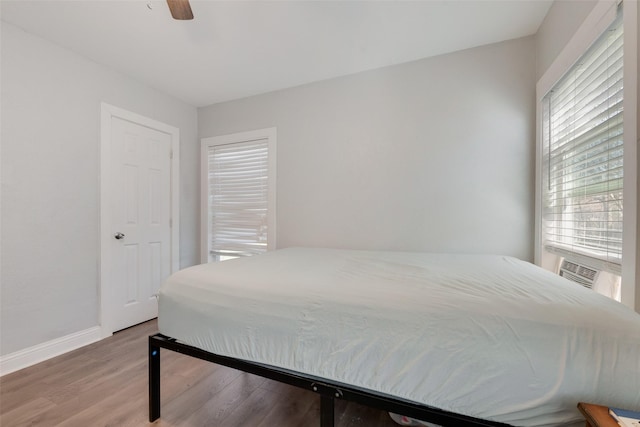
586, 246
270, 134
601, 16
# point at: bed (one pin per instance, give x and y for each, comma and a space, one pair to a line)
449, 339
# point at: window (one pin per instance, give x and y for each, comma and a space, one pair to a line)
583, 157
238, 195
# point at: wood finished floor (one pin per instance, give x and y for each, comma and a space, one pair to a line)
105, 384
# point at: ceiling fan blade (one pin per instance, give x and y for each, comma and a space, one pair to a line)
180, 9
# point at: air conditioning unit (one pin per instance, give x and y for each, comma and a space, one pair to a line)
586, 276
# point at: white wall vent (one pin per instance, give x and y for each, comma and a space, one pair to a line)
578, 273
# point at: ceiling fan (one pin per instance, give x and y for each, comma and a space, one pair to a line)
180, 9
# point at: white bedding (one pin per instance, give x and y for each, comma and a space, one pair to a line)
487, 336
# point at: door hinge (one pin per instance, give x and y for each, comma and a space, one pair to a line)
171, 154
170, 222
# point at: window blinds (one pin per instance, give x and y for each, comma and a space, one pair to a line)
582, 157
238, 190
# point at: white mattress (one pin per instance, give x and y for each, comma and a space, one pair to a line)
487, 336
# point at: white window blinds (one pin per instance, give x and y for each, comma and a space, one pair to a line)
582, 157
238, 198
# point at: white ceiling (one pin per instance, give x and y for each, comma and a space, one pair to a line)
234, 49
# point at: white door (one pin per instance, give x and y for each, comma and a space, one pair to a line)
140, 215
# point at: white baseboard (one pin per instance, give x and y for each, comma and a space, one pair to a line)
41, 352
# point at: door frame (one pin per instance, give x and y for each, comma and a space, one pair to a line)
107, 113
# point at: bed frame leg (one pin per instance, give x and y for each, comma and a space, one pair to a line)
154, 381
326, 411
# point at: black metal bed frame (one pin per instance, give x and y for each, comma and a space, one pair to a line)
328, 390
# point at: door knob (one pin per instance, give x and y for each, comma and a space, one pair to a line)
119, 235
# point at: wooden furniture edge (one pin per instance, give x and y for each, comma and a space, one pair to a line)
597, 415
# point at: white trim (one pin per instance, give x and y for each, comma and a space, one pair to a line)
107, 113
601, 16
599, 19
630, 286
270, 134
38, 353
537, 235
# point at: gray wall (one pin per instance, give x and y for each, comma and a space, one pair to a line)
50, 184
557, 28
433, 155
